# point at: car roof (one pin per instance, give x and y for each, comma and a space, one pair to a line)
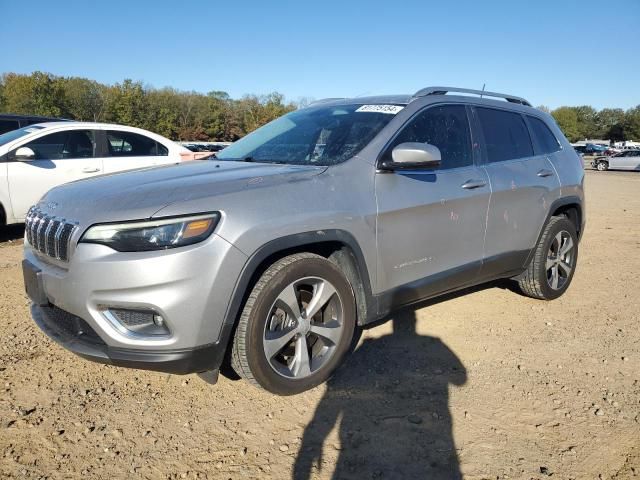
455, 94
73, 123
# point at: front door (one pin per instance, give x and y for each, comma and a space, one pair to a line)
431, 224
60, 157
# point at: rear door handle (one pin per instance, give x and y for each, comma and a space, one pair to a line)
545, 173
471, 184
90, 170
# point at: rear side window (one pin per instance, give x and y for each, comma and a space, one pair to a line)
128, 144
546, 139
505, 135
64, 145
444, 126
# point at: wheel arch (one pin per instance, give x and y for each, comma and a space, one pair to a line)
571, 207
3, 215
338, 246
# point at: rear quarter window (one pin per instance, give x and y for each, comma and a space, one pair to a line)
547, 141
506, 136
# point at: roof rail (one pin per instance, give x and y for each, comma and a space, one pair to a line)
444, 90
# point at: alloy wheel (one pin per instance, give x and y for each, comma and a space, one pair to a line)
560, 260
305, 324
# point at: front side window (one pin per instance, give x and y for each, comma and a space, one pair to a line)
547, 140
64, 145
128, 144
505, 135
313, 136
445, 127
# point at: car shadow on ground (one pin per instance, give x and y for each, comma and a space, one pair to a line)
390, 403
11, 232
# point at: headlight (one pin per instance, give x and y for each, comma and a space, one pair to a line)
157, 234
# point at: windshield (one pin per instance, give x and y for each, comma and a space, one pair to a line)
15, 134
313, 136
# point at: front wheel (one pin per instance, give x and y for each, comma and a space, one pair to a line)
551, 269
296, 325
602, 166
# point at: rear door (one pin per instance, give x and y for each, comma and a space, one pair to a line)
61, 157
524, 184
129, 150
431, 223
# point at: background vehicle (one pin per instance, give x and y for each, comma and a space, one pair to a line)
36, 158
627, 160
324, 219
12, 121
592, 149
581, 149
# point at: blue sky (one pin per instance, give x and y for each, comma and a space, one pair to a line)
551, 52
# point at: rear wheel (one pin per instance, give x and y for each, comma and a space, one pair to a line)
602, 165
551, 270
296, 326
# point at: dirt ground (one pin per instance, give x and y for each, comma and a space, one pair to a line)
485, 384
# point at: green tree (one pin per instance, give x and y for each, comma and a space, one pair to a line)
83, 98
632, 124
610, 124
125, 103
36, 94
567, 120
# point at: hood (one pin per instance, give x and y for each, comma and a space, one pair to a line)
140, 194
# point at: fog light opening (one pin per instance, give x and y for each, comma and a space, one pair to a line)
138, 322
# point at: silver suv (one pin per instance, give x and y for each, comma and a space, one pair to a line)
268, 258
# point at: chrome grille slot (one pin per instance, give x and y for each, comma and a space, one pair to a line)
41, 240
48, 234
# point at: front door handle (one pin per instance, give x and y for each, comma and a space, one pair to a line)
90, 170
471, 184
545, 173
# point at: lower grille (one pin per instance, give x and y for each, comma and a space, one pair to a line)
70, 325
48, 234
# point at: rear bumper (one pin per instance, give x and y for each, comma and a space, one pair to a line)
76, 335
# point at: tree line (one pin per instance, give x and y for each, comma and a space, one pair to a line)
584, 122
215, 116
175, 114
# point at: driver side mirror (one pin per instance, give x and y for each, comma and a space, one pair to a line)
24, 154
414, 156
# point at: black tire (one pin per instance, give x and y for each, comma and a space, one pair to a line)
535, 282
602, 166
248, 357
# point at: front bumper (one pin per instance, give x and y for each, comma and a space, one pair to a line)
189, 287
77, 336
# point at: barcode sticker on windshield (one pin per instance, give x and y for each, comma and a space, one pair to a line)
390, 109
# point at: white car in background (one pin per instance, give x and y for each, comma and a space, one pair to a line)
627, 160
38, 157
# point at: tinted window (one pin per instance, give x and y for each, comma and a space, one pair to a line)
505, 135
447, 128
127, 144
61, 145
547, 140
8, 125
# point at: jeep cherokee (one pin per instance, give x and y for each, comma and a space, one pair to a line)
269, 257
